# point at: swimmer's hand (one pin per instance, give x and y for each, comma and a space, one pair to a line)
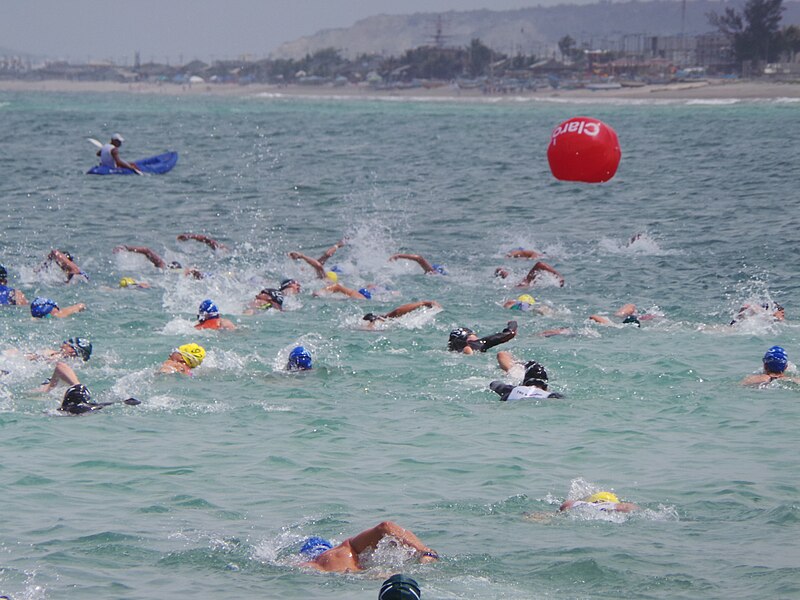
512, 326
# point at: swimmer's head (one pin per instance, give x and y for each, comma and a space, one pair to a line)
117, 138
602, 497
439, 269
290, 284
535, 375
366, 293
3, 273
332, 276
775, 360
399, 587
314, 546
632, 319
127, 281
81, 346
192, 354
372, 317
458, 338
299, 359
207, 310
501, 272
41, 307
527, 299
174, 265
76, 399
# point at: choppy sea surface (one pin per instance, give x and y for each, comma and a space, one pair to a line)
206, 489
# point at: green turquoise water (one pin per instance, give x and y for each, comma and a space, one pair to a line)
206, 489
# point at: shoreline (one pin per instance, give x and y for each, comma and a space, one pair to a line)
700, 90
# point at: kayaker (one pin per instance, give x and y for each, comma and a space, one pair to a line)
109, 155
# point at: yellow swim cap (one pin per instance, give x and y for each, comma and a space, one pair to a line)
332, 276
603, 497
126, 281
527, 299
192, 354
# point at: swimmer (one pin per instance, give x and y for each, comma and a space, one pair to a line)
602, 501
527, 303
627, 312
210, 242
266, 299
130, 282
65, 262
338, 288
751, 310
183, 359
8, 295
76, 347
78, 401
522, 253
775, 362
289, 287
159, 262
501, 273
42, 308
536, 274
299, 360
399, 587
534, 382
344, 558
429, 268
318, 264
466, 341
404, 309
208, 317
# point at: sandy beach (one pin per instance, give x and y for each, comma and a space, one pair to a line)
700, 90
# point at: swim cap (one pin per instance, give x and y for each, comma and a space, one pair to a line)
458, 338
535, 374
775, 360
289, 282
299, 359
117, 137
207, 310
337, 269
366, 293
41, 307
274, 295
314, 546
76, 399
192, 354
399, 587
370, 317
602, 497
174, 265
631, 319
82, 347
332, 276
126, 281
527, 299
3, 272
439, 269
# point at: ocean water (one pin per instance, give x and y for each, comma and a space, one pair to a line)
206, 489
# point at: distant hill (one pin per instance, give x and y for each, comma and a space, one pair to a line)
534, 30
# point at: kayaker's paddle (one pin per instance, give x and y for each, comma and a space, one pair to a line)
99, 144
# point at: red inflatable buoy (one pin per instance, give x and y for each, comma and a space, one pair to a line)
583, 149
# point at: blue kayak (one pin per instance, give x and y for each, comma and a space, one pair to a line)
155, 165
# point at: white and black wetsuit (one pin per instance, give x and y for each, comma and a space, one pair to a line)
512, 393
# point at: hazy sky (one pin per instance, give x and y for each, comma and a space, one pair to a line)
181, 30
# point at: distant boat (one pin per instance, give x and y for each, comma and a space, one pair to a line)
154, 165
603, 86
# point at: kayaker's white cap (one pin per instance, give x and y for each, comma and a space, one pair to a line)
118, 138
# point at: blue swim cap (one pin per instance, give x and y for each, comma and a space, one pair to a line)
439, 269
299, 359
207, 310
775, 360
366, 293
41, 307
337, 269
314, 546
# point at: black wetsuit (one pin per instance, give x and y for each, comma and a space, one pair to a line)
490, 341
